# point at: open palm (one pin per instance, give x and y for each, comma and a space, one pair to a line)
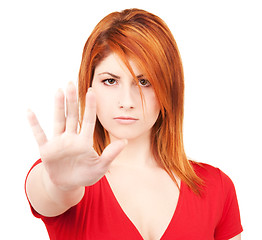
69, 157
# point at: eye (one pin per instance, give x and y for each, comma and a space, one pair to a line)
109, 81
144, 82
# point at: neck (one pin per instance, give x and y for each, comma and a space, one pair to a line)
137, 153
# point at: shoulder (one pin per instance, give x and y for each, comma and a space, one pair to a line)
219, 194
209, 172
213, 177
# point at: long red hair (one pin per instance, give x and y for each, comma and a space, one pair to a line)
145, 38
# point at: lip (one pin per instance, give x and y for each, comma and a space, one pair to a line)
125, 120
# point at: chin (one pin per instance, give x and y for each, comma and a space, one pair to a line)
129, 135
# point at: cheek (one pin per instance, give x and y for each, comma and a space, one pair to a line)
101, 105
154, 104
104, 105
152, 109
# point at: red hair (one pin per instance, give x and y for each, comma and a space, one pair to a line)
145, 38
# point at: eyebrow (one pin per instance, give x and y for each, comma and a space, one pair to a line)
117, 77
111, 74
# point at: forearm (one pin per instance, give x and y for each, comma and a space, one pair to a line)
48, 199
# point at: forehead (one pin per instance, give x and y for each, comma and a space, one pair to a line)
113, 63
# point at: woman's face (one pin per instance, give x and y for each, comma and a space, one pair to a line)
119, 105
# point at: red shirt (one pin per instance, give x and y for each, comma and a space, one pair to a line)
98, 216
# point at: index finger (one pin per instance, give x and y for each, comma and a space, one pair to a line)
89, 119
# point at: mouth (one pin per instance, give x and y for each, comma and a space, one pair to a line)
125, 120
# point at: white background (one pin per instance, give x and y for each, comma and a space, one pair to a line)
220, 43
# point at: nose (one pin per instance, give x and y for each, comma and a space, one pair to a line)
127, 97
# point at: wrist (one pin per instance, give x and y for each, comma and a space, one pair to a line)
62, 195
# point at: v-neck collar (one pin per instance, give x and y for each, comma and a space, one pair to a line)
172, 221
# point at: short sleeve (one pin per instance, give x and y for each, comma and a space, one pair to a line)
230, 223
32, 209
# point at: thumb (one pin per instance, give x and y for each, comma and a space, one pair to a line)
112, 150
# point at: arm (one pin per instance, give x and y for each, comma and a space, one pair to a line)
238, 237
69, 162
47, 198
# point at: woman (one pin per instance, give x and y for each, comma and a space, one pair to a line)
124, 173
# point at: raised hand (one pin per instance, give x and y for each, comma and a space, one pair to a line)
69, 157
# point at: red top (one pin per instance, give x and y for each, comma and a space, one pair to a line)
98, 216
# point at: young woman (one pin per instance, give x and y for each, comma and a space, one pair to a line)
123, 173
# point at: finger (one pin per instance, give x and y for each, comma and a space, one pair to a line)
72, 109
38, 132
59, 114
112, 150
89, 119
